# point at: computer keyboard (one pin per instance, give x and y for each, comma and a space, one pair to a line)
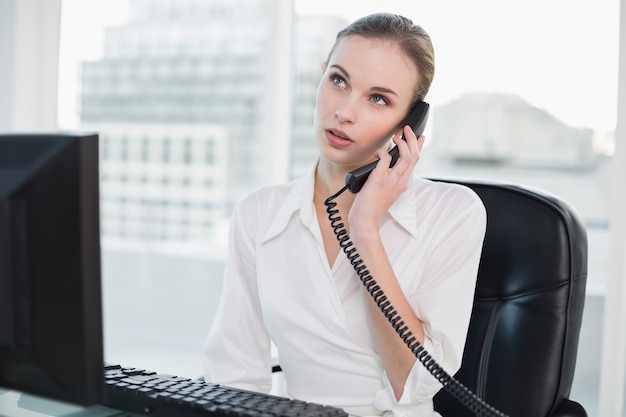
151, 394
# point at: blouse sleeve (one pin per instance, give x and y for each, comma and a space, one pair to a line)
444, 298
237, 351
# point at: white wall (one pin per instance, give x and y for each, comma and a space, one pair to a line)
29, 54
613, 369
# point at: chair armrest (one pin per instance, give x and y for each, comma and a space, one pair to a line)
570, 408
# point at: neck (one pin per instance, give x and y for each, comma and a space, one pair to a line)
329, 179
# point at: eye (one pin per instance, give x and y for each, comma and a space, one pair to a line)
338, 80
380, 100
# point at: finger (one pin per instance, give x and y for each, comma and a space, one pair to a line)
408, 152
415, 143
410, 136
384, 157
420, 142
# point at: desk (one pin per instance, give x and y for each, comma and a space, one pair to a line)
17, 404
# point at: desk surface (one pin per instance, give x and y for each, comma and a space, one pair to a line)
17, 404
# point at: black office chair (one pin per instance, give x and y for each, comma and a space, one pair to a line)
520, 352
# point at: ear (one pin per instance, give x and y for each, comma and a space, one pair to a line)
324, 65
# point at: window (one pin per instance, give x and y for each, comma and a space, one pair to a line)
145, 149
187, 152
166, 151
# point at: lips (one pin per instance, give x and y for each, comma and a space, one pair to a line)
338, 138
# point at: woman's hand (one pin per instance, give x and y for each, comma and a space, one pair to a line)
384, 185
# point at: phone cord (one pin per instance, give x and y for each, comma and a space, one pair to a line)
454, 387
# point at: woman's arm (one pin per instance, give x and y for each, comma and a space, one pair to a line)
396, 357
441, 297
237, 349
381, 190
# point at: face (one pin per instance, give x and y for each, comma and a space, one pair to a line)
366, 90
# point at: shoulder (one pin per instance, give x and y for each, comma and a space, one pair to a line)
266, 195
445, 193
451, 218
263, 204
449, 206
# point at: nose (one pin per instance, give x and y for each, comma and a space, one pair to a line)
345, 112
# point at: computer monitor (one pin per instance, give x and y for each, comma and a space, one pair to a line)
50, 291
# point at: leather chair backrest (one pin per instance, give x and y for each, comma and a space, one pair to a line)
521, 348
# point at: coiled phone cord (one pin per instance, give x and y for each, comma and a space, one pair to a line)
454, 387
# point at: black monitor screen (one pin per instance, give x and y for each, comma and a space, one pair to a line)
50, 293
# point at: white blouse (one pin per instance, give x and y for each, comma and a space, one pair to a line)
278, 285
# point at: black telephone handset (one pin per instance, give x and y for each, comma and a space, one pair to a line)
416, 118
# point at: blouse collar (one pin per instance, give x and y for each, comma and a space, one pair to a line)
300, 199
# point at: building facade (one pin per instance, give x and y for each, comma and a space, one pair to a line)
179, 100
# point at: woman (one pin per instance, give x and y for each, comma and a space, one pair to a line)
287, 279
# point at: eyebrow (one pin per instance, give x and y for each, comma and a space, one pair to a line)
376, 89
